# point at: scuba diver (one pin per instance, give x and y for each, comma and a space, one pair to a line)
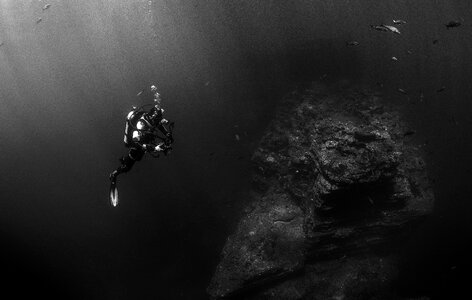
143, 134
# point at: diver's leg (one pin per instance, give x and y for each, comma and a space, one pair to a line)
127, 163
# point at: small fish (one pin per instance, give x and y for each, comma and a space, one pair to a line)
39, 20
236, 136
352, 43
402, 91
453, 24
46, 6
2, 43
370, 200
392, 29
140, 93
379, 27
207, 83
409, 132
394, 58
385, 28
435, 42
441, 89
409, 51
399, 22
323, 76
380, 84
421, 97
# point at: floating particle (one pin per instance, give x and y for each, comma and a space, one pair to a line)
352, 43
402, 91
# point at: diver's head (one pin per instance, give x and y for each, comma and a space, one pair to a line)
155, 114
153, 88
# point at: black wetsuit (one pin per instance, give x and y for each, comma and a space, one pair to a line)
146, 142
135, 153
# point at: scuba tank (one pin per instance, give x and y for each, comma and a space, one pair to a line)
130, 125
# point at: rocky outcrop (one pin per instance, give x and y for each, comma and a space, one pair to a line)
336, 183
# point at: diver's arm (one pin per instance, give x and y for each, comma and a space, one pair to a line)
163, 129
166, 132
161, 125
153, 148
149, 147
137, 139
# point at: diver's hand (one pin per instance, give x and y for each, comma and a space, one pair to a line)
164, 121
148, 148
158, 148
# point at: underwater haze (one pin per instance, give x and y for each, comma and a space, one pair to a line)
70, 72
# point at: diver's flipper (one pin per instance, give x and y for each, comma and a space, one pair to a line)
113, 194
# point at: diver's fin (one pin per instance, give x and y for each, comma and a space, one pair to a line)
113, 194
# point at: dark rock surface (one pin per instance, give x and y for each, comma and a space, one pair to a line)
337, 186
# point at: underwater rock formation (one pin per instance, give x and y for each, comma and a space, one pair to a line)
337, 186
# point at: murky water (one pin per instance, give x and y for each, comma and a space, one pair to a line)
70, 73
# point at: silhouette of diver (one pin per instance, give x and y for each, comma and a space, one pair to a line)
142, 135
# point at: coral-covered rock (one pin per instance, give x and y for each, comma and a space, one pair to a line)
269, 243
334, 177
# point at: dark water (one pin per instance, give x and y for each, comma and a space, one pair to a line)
67, 83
